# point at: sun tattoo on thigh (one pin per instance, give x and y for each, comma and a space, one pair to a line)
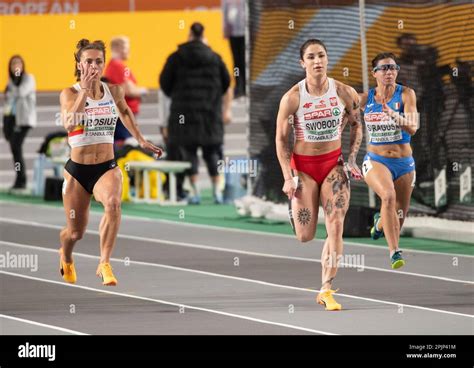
304, 216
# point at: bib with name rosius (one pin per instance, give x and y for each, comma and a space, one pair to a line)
98, 125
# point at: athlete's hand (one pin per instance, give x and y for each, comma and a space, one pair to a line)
352, 168
71, 126
289, 188
71, 121
88, 75
157, 151
385, 108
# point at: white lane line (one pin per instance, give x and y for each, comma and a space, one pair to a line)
169, 303
265, 283
42, 324
231, 250
226, 229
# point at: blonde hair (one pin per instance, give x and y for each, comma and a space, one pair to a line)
118, 41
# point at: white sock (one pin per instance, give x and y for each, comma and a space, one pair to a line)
392, 252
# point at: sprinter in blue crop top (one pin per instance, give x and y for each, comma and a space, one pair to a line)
391, 119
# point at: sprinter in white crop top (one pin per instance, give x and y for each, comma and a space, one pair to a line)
90, 110
317, 109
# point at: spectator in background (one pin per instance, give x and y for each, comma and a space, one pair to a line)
196, 78
233, 12
19, 113
118, 73
164, 104
419, 70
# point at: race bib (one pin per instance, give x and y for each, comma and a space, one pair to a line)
381, 128
366, 167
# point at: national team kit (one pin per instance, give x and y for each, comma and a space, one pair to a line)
98, 126
319, 119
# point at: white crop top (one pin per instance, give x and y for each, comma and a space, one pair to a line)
319, 119
99, 122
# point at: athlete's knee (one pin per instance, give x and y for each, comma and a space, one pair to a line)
335, 226
304, 237
389, 197
112, 205
76, 235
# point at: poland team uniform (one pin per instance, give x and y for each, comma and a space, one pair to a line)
318, 120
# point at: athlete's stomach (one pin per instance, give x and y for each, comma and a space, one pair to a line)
315, 148
391, 150
93, 154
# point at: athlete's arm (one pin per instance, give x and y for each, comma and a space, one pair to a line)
72, 103
409, 122
363, 99
351, 99
129, 121
288, 107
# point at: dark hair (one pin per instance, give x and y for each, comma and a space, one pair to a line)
197, 29
383, 55
311, 41
16, 79
83, 45
405, 36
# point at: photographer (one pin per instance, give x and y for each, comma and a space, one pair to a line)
420, 71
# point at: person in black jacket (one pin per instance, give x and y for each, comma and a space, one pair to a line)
196, 79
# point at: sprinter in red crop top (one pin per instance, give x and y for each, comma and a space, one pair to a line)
317, 108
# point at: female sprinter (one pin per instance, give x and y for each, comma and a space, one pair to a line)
318, 108
90, 110
389, 169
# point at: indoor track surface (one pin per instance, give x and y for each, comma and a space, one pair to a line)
178, 278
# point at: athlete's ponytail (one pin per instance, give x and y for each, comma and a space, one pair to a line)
82, 45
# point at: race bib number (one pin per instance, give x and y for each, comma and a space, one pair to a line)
366, 167
322, 131
381, 128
